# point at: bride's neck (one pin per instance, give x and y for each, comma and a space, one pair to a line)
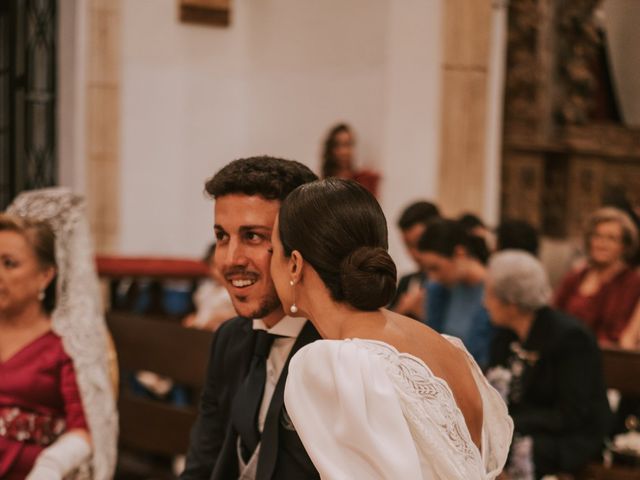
337, 321
333, 320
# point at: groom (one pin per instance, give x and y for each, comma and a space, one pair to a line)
241, 430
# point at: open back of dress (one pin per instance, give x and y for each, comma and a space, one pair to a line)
364, 410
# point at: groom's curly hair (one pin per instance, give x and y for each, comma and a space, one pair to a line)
269, 177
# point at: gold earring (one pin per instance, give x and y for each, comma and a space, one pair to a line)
294, 308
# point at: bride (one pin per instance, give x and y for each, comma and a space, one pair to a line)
382, 396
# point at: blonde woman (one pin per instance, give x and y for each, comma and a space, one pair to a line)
604, 292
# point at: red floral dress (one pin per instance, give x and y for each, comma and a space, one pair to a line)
39, 400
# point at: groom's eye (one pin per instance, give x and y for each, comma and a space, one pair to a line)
221, 236
254, 238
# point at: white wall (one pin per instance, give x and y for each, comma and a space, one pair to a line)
195, 98
412, 115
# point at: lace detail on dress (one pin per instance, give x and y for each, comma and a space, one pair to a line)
428, 399
78, 317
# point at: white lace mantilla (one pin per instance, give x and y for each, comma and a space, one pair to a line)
364, 410
78, 317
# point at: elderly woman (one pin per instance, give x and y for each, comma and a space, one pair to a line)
547, 366
604, 292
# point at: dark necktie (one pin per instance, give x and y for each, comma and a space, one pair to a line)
249, 397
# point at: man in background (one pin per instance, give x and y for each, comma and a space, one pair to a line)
410, 296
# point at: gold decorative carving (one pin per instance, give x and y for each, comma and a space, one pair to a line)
578, 44
522, 83
550, 135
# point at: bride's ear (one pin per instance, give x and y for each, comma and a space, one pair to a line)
296, 266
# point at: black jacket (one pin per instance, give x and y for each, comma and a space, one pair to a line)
212, 451
563, 403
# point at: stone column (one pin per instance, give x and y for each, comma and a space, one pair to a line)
464, 109
102, 121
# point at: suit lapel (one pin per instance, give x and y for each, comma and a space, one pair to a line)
269, 443
240, 347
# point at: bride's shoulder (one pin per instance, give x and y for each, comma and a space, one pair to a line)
327, 367
338, 358
350, 347
356, 357
331, 350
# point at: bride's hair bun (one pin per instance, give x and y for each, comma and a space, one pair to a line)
339, 229
368, 278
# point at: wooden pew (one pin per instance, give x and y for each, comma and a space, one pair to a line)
165, 348
155, 270
621, 372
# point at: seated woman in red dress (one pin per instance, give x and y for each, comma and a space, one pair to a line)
43, 430
604, 293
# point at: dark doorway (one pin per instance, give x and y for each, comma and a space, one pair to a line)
28, 35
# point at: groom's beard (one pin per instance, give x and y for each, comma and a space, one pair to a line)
270, 303
257, 300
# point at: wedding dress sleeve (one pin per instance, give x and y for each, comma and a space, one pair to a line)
348, 415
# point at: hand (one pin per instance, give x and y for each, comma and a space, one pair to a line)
62, 456
189, 321
606, 343
45, 470
629, 339
412, 302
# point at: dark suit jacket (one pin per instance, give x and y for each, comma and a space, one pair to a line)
212, 452
563, 404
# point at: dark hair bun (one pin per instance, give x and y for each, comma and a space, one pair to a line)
368, 278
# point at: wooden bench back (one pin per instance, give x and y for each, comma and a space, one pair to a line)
622, 370
165, 348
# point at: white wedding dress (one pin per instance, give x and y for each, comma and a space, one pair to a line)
365, 411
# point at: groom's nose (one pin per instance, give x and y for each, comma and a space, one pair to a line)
236, 253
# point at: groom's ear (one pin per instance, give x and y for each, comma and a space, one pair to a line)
296, 266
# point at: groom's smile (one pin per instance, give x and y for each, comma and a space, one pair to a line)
241, 278
243, 226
